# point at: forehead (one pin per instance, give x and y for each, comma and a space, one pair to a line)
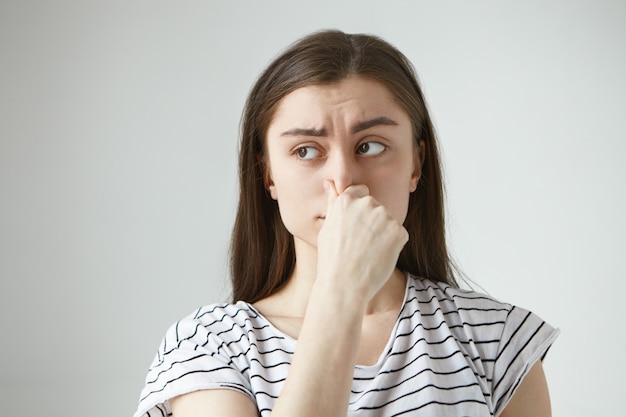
354, 97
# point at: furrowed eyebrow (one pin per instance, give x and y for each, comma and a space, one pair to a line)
383, 120
296, 131
359, 127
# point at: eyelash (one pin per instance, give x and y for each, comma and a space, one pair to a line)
303, 148
369, 145
298, 150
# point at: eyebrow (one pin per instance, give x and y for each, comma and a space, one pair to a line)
383, 120
296, 131
359, 127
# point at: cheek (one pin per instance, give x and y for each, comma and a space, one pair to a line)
397, 203
393, 192
299, 196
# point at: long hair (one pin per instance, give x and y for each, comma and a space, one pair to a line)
262, 250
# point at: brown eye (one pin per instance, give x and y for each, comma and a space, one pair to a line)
307, 152
371, 148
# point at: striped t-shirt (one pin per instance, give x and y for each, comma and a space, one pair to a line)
452, 353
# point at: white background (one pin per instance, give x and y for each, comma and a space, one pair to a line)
118, 142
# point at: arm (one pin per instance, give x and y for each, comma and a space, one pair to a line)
356, 253
531, 398
207, 403
320, 375
357, 250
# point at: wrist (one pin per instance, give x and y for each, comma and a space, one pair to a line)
338, 298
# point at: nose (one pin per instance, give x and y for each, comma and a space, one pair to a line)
343, 170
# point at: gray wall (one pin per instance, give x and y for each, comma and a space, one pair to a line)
118, 127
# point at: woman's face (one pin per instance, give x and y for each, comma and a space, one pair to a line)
352, 132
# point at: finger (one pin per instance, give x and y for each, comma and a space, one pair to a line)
331, 193
357, 191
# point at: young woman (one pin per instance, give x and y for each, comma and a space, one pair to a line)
345, 301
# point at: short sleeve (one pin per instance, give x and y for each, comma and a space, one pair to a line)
525, 339
191, 357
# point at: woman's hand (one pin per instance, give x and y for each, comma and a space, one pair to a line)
359, 241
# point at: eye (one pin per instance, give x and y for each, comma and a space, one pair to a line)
371, 148
307, 152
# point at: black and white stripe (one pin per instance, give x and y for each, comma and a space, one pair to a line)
452, 352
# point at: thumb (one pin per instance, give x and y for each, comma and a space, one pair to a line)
331, 193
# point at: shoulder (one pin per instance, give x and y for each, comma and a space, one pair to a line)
472, 318
494, 328
506, 339
223, 316
205, 350
214, 319
469, 303
220, 314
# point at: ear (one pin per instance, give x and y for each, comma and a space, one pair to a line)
272, 189
268, 182
419, 153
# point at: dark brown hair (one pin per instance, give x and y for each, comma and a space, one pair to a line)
262, 250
